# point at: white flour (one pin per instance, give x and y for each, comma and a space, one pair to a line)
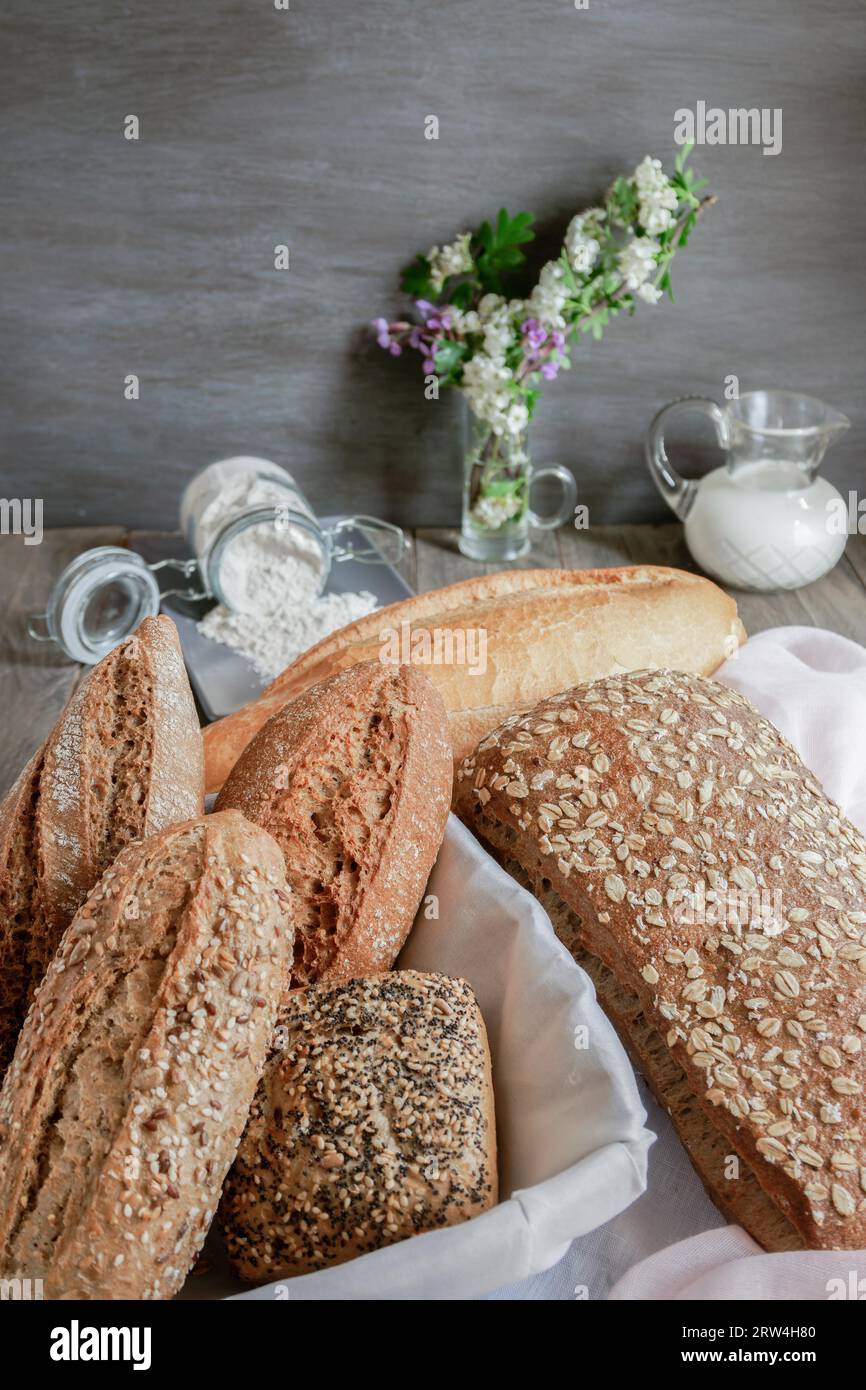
273, 643
270, 576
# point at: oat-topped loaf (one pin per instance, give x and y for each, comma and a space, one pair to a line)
680, 841
353, 780
124, 760
373, 1122
134, 1072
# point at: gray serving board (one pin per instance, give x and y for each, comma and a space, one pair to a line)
224, 681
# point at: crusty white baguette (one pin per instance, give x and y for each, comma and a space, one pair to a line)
709, 874
373, 1121
353, 780
134, 1072
124, 760
543, 631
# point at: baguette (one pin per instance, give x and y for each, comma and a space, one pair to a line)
544, 630
124, 760
353, 780
133, 1075
691, 853
372, 1122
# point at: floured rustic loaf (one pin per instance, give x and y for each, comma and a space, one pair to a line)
353, 780
678, 839
131, 1082
542, 630
124, 760
373, 1122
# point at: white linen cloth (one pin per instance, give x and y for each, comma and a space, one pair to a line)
572, 1141
812, 685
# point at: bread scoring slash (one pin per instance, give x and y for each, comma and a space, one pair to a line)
133, 1075
124, 760
353, 780
720, 899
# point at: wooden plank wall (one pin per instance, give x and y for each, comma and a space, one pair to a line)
306, 127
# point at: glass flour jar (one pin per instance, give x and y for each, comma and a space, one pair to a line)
237, 500
103, 595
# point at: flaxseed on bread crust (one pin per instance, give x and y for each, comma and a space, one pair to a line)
124, 760
707, 871
131, 1081
353, 780
373, 1122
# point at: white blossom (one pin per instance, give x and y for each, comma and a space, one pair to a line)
657, 198
637, 260
581, 244
463, 321
486, 386
493, 512
548, 298
649, 293
489, 306
455, 259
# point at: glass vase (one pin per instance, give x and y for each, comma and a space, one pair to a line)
497, 478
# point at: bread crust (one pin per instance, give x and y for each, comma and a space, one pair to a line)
373, 1122
353, 780
545, 629
128, 1092
634, 799
124, 760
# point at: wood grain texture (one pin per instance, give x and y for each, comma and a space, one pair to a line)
306, 127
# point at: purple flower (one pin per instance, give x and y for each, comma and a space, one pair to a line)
429, 365
383, 332
535, 333
549, 370
558, 340
394, 349
425, 307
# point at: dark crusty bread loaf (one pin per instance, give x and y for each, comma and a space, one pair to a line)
124, 760
130, 1085
353, 780
543, 630
706, 870
743, 1201
372, 1122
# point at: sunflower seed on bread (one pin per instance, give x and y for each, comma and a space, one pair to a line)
704, 867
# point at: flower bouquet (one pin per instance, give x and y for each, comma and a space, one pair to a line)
498, 350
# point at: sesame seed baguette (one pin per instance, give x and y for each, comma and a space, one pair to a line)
708, 872
124, 760
544, 630
353, 780
130, 1085
373, 1122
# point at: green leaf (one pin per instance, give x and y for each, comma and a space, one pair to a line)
681, 158
415, 280
498, 247
462, 294
449, 357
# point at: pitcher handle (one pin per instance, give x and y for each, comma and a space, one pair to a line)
679, 493
569, 497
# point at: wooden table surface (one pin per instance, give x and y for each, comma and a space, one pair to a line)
37, 679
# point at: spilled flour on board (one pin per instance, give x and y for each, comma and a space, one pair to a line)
276, 612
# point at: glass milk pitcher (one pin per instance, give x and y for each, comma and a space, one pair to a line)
764, 520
